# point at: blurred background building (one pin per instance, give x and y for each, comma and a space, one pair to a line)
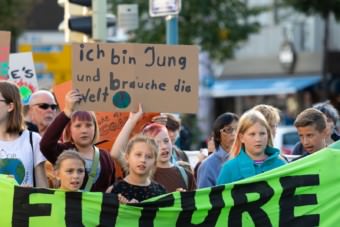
280, 65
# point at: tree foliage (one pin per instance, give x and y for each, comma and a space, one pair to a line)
13, 15
310, 7
217, 26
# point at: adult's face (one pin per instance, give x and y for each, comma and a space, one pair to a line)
173, 135
42, 111
228, 133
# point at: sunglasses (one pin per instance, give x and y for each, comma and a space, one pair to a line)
45, 106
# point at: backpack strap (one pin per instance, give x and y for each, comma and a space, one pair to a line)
184, 175
92, 173
31, 142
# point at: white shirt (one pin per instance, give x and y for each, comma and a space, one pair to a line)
16, 157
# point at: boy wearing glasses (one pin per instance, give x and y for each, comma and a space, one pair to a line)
224, 130
42, 110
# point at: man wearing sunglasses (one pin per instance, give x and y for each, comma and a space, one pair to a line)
42, 110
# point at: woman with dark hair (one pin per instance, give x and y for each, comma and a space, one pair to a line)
224, 129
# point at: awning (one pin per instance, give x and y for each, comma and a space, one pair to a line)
260, 86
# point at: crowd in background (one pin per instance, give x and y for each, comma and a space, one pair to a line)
42, 147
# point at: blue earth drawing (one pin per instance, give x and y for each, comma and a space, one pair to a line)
25, 93
14, 167
121, 99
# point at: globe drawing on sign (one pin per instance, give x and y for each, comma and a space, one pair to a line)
121, 99
13, 167
25, 94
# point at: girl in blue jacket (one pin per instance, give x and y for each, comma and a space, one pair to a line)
252, 152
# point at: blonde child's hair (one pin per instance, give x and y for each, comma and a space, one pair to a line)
247, 120
271, 113
140, 139
68, 154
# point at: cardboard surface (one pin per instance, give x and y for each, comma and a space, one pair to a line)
110, 124
117, 77
60, 91
5, 41
22, 72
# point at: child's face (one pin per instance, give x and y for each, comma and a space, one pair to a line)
71, 174
141, 159
164, 146
255, 140
311, 139
82, 132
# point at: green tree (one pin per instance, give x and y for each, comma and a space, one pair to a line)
325, 9
13, 15
217, 26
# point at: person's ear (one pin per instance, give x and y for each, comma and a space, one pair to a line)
126, 158
56, 173
241, 138
324, 133
10, 107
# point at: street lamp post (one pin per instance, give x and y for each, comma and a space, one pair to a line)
170, 9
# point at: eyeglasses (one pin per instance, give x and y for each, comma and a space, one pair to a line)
45, 106
228, 130
3, 100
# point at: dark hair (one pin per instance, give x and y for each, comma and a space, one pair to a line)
311, 117
220, 122
329, 110
10, 93
172, 123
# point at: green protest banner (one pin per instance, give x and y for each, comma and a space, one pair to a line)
302, 193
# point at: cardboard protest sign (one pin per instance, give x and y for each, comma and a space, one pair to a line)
109, 124
5, 42
117, 77
22, 72
60, 91
302, 193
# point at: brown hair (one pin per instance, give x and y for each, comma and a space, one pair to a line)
68, 154
172, 123
311, 117
81, 116
141, 139
247, 120
10, 93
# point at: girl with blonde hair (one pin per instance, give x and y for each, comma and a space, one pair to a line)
252, 152
140, 158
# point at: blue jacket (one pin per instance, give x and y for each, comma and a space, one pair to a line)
242, 166
210, 168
